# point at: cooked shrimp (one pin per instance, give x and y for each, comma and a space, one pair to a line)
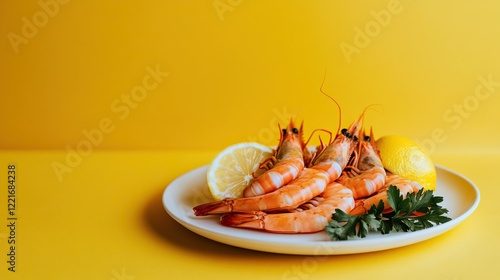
327, 167
312, 217
366, 175
284, 166
405, 186
334, 157
308, 184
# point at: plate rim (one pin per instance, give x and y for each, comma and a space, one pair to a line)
352, 246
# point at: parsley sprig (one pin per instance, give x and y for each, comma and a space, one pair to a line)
415, 212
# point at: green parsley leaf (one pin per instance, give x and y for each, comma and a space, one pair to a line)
417, 211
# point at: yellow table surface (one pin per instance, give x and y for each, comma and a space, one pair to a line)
105, 220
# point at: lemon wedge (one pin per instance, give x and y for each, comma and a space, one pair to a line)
233, 168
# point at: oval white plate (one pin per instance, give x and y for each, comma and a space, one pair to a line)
461, 198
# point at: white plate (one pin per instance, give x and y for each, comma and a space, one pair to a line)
461, 198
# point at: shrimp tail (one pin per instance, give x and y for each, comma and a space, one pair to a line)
221, 206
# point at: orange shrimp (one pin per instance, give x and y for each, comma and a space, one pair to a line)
366, 175
312, 217
405, 186
307, 185
284, 166
327, 167
334, 157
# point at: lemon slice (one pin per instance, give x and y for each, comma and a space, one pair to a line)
232, 169
404, 157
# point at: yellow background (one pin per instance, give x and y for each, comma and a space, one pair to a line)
232, 68
71, 74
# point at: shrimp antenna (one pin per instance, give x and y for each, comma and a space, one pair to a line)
338, 105
366, 109
319, 129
